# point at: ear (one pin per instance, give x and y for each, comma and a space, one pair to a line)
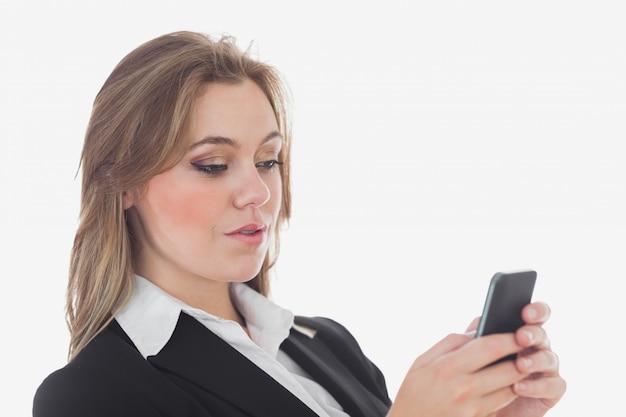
129, 198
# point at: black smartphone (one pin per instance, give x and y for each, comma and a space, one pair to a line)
508, 293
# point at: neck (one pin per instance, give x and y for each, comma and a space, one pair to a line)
210, 296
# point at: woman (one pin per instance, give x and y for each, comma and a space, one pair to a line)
185, 171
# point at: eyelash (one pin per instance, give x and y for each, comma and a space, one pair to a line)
269, 165
215, 170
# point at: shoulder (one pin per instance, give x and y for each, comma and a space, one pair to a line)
83, 391
94, 383
329, 330
344, 346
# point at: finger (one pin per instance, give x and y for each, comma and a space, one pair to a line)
485, 350
550, 389
544, 362
536, 313
498, 376
473, 325
448, 344
496, 400
533, 336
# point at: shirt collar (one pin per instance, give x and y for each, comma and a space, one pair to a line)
150, 317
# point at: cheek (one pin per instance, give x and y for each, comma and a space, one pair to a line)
183, 207
275, 186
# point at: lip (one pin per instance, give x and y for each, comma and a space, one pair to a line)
251, 234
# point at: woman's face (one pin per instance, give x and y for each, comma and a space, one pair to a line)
212, 215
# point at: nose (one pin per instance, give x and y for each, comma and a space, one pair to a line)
251, 189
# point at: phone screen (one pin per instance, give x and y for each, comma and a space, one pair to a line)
508, 293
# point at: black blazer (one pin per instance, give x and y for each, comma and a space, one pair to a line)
198, 374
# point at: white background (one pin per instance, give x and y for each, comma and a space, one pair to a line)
436, 142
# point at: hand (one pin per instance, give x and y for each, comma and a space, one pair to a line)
543, 387
453, 379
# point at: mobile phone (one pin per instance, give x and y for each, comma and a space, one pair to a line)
508, 293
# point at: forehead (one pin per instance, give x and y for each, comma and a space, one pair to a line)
232, 110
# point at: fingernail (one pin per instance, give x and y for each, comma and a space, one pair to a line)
521, 386
530, 336
527, 363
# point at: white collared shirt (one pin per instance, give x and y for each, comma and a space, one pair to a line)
150, 317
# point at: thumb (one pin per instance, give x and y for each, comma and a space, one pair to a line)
446, 345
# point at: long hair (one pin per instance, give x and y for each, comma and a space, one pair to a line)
138, 129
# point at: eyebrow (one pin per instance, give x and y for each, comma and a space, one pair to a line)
222, 140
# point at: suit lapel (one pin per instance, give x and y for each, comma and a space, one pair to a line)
201, 361
114, 357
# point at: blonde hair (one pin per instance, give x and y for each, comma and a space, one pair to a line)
137, 129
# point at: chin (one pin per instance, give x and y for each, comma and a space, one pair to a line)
245, 275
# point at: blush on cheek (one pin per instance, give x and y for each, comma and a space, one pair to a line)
179, 212
180, 205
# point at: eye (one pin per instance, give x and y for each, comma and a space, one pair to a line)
268, 165
210, 169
